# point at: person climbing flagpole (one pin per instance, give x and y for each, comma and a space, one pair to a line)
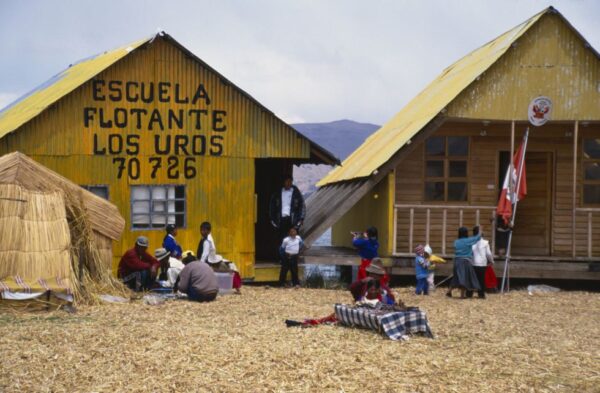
509, 197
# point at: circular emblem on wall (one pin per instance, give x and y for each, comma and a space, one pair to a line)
540, 109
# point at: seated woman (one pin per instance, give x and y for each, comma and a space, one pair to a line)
221, 265
375, 294
171, 267
360, 286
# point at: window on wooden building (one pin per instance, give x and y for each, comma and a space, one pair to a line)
101, 191
156, 206
591, 171
446, 168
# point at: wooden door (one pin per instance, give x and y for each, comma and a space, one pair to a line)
531, 235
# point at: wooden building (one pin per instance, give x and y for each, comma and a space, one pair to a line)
440, 162
167, 139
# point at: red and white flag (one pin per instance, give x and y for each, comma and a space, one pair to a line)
505, 202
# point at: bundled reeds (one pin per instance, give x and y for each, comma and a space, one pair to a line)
34, 235
88, 262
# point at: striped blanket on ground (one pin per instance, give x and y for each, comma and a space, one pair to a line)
13, 287
396, 324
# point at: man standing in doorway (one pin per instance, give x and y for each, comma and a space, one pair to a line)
286, 209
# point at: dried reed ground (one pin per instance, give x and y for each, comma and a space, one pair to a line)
508, 343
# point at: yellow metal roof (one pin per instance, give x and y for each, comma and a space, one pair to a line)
385, 142
37, 100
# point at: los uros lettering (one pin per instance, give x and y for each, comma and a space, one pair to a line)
204, 129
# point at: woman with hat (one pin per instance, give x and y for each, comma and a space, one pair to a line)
171, 267
170, 243
374, 272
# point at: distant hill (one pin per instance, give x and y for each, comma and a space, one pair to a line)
340, 137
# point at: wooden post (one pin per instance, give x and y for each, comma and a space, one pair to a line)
395, 233
589, 239
493, 232
410, 230
427, 226
460, 218
574, 210
444, 218
477, 217
511, 163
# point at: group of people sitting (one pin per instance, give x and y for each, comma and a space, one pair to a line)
184, 272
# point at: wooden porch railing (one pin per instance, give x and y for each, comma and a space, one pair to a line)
590, 212
444, 208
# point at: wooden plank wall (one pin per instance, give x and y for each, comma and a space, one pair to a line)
486, 142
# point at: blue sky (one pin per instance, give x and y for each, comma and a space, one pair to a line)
308, 61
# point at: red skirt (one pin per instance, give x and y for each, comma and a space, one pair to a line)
491, 282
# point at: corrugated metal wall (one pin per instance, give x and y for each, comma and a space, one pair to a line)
548, 60
222, 190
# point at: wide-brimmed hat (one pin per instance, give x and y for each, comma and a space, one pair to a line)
142, 241
161, 253
377, 262
375, 269
214, 258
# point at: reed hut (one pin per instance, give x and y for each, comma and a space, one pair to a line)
439, 163
55, 237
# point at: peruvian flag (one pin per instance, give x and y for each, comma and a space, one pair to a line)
505, 203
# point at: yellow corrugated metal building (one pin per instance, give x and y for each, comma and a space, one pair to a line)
168, 140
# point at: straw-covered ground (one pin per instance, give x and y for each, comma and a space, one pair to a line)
507, 343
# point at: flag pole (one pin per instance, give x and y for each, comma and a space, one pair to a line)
515, 198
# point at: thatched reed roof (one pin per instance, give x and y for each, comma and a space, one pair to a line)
103, 216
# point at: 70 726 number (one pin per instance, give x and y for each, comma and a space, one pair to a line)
132, 167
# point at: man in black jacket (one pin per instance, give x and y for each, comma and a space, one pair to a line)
287, 208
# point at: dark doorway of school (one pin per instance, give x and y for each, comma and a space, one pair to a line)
269, 175
533, 220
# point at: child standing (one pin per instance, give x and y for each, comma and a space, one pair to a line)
290, 248
430, 269
368, 246
422, 270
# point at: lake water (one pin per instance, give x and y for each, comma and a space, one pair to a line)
329, 272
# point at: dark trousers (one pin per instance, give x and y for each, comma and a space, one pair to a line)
289, 263
138, 281
422, 286
284, 228
199, 297
480, 273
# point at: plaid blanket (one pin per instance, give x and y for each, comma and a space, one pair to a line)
396, 325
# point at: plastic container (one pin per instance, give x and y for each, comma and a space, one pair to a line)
225, 281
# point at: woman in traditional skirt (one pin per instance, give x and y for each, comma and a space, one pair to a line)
464, 275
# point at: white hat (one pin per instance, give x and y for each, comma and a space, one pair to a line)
428, 250
214, 258
161, 253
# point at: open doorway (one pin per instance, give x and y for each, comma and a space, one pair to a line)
269, 173
533, 222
